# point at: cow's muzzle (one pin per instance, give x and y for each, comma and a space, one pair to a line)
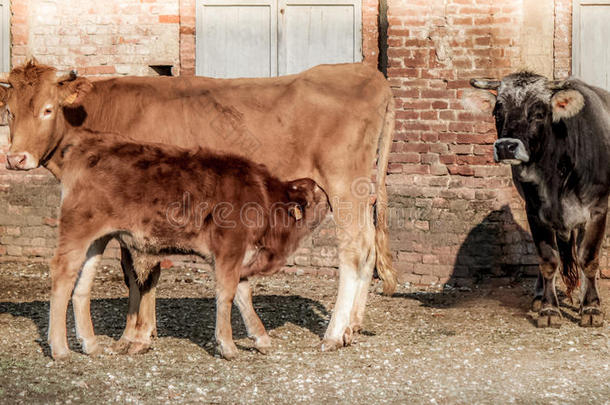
20, 161
510, 150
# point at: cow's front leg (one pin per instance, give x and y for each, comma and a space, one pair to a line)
227, 269
254, 326
590, 304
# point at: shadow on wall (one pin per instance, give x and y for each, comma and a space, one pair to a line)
496, 247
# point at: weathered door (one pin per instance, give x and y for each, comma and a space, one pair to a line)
5, 35
591, 42
262, 38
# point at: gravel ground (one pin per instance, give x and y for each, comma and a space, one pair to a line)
455, 346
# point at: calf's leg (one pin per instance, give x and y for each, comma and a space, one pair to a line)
81, 298
365, 274
64, 271
254, 326
146, 323
590, 304
227, 278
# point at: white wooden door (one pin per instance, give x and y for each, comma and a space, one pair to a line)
5, 36
262, 38
236, 38
591, 42
318, 31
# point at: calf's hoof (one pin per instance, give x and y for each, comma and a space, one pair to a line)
138, 348
263, 344
549, 317
537, 304
591, 317
228, 351
61, 355
329, 345
92, 348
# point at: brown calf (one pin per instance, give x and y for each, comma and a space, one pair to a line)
158, 200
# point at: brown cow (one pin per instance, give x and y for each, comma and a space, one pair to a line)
113, 187
325, 123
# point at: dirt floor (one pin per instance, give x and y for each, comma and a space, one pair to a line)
475, 345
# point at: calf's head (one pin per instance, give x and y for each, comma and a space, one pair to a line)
308, 203
524, 109
34, 96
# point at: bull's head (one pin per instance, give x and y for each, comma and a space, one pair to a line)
308, 202
34, 96
525, 107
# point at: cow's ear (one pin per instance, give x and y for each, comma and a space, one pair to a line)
296, 211
566, 104
3, 96
480, 101
72, 92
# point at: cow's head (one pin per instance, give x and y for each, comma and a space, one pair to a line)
308, 202
34, 96
525, 107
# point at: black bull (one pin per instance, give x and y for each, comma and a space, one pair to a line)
556, 136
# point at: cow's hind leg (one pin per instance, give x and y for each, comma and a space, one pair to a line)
81, 298
254, 326
590, 303
365, 274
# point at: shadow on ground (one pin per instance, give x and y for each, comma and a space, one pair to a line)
497, 252
185, 318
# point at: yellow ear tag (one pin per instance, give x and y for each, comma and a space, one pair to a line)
71, 98
296, 212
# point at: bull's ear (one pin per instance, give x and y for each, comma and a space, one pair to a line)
296, 211
480, 101
72, 92
566, 104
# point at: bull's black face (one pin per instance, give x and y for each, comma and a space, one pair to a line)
523, 114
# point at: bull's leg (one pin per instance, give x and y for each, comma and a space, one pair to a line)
64, 271
81, 298
227, 278
146, 324
590, 303
545, 300
254, 326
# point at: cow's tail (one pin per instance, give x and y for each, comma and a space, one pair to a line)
569, 265
383, 262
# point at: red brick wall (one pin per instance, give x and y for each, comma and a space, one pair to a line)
455, 214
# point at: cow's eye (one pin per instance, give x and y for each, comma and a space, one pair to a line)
47, 112
539, 115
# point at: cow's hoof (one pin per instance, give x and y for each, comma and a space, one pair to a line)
537, 304
549, 317
263, 344
591, 317
330, 345
228, 351
121, 346
348, 336
138, 348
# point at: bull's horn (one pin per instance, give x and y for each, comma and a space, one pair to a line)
485, 84
66, 77
557, 84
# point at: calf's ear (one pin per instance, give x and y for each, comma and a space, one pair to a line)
296, 211
72, 92
566, 104
479, 101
